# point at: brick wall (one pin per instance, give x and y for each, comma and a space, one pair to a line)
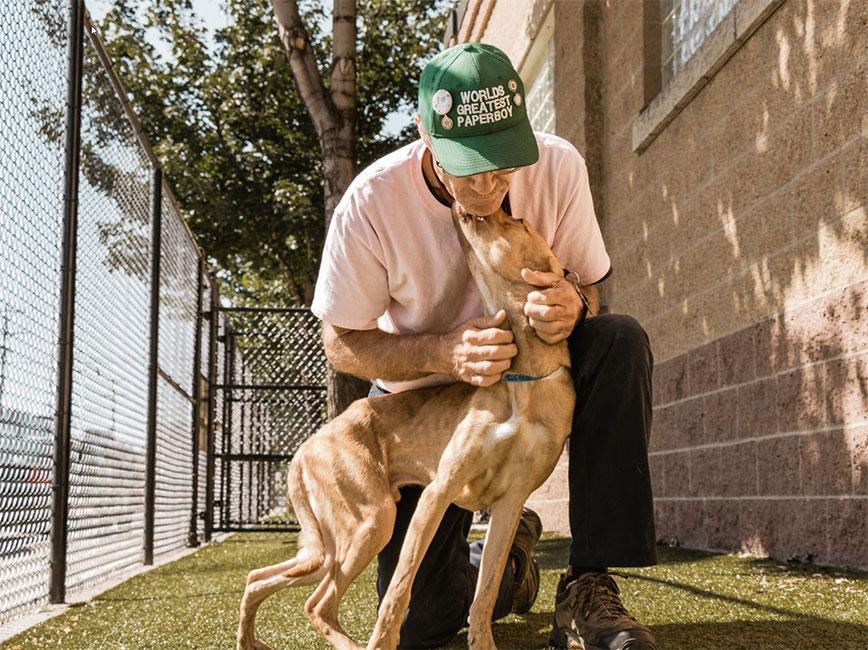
761, 445
739, 239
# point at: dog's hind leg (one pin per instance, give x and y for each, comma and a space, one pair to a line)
355, 554
259, 589
273, 570
429, 513
505, 515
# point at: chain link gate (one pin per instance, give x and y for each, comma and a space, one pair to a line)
269, 396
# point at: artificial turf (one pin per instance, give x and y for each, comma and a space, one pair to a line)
692, 600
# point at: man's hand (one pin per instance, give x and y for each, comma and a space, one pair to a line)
478, 352
552, 312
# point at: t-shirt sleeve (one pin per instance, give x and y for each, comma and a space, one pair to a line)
352, 289
578, 242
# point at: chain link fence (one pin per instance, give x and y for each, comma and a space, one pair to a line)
32, 92
113, 339
272, 398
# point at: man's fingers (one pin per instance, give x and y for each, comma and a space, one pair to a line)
540, 278
496, 352
545, 312
484, 380
547, 328
490, 336
489, 321
560, 295
488, 367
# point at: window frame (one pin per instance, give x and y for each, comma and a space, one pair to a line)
661, 104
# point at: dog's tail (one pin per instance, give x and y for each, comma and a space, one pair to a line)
312, 554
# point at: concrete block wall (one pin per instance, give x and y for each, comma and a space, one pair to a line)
739, 239
762, 447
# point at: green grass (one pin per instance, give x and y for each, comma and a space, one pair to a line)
692, 600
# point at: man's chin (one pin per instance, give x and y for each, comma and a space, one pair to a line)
480, 208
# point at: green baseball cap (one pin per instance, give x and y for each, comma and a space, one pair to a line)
472, 102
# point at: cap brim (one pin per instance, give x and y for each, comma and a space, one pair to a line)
512, 147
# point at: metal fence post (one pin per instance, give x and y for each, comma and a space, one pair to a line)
63, 413
153, 366
213, 315
243, 446
193, 536
226, 438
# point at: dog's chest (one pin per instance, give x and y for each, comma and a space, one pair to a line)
505, 430
511, 448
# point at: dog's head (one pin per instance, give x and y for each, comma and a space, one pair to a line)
497, 244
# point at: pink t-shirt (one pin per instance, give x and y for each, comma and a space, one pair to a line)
392, 259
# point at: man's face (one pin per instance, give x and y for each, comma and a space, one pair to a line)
478, 194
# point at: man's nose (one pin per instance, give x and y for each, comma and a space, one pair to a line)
482, 183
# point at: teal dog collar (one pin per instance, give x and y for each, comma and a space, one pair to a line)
520, 378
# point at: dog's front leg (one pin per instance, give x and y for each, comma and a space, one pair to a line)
505, 514
429, 512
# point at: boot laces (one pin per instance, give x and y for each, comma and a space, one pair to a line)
602, 591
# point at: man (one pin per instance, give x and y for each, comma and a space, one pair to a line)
399, 307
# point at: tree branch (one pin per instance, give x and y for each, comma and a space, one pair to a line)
343, 77
296, 41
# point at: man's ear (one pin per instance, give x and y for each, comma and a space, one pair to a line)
457, 210
423, 132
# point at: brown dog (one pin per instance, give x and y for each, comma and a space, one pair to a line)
475, 447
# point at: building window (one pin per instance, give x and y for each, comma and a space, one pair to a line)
538, 73
685, 43
685, 25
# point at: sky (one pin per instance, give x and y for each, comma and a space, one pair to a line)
214, 18
209, 10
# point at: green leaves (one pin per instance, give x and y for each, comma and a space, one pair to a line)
235, 139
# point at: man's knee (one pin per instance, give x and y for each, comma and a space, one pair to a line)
622, 326
629, 334
429, 629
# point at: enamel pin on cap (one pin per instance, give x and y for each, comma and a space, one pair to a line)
441, 102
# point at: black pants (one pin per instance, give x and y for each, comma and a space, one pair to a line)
611, 509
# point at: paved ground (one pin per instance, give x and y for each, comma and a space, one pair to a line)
692, 600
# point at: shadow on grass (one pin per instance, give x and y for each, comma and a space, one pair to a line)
554, 553
674, 555
530, 631
733, 600
809, 633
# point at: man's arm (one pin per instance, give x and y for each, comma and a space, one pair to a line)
592, 292
375, 353
476, 352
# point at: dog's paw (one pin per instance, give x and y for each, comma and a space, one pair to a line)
481, 641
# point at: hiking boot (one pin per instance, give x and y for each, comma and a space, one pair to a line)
527, 570
589, 615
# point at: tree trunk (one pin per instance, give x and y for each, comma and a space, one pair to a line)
334, 117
